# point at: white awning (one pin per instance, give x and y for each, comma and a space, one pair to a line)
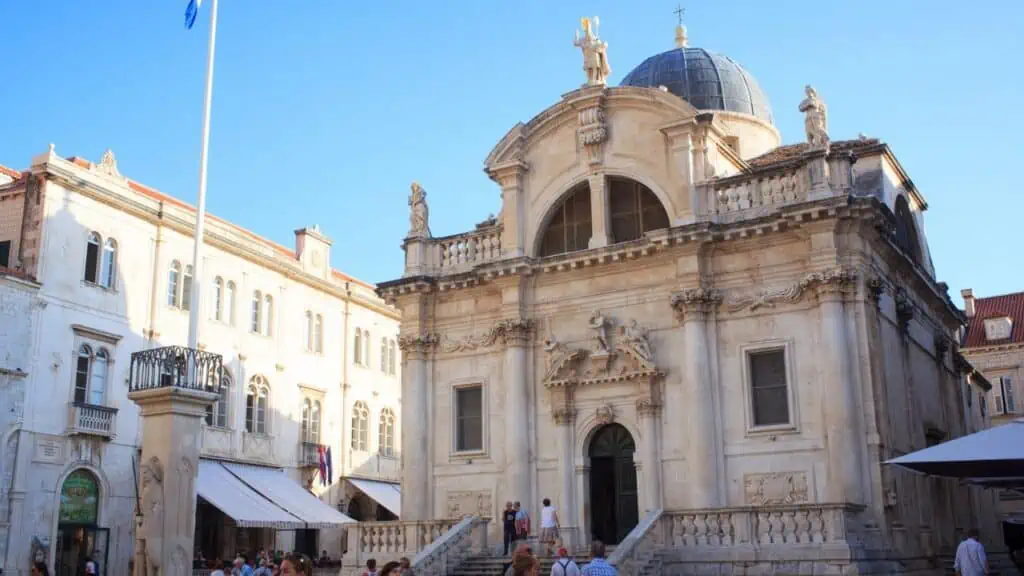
387, 494
248, 508
288, 495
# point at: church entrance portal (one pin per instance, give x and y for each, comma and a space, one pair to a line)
613, 498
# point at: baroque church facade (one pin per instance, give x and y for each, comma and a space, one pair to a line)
690, 337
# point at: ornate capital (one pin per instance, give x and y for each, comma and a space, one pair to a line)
904, 308
695, 302
516, 332
417, 347
565, 416
647, 407
875, 287
941, 347
836, 282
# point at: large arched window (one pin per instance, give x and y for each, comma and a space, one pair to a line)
906, 230
569, 227
98, 378
92, 257
91, 373
217, 413
360, 426
633, 210
357, 347
257, 397
387, 433
108, 265
186, 289
173, 283
217, 310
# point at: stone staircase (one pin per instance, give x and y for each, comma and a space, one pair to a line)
491, 564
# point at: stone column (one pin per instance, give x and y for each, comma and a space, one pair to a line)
510, 176
839, 393
517, 410
172, 419
601, 227
565, 420
416, 426
649, 410
694, 306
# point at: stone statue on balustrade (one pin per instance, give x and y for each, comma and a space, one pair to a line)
595, 53
419, 214
815, 119
599, 324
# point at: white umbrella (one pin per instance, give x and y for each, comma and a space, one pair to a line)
992, 454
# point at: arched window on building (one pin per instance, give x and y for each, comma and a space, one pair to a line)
569, 226
217, 308
268, 315
108, 265
186, 288
91, 372
357, 347
307, 333
366, 348
318, 334
314, 422
906, 230
257, 312
307, 406
217, 413
257, 397
633, 210
173, 283
229, 301
360, 426
92, 257
392, 354
387, 433
384, 355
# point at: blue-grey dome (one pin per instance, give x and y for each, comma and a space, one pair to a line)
706, 80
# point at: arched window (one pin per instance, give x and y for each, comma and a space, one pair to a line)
98, 378
186, 289
82, 366
906, 230
360, 424
569, 227
366, 348
257, 398
108, 264
91, 371
230, 303
257, 312
217, 311
306, 408
268, 314
318, 334
217, 413
173, 283
392, 353
384, 355
634, 210
307, 333
92, 257
357, 347
387, 433
314, 422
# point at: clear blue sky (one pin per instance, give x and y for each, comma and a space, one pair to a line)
325, 111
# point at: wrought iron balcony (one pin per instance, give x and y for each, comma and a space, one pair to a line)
90, 419
175, 366
309, 455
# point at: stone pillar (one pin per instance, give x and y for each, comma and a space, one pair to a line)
817, 168
565, 420
510, 176
649, 412
839, 393
517, 410
599, 214
694, 306
416, 427
172, 419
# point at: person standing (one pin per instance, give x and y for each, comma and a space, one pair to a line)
508, 521
599, 566
522, 522
565, 566
970, 556
548, 526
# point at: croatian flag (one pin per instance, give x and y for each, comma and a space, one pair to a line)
191, 11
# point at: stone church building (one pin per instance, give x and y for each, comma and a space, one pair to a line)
689, 336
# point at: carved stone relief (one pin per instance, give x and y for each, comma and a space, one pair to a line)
775, 488
107, 165
629, 356
153, 512
508, 331
605, 414
469, 503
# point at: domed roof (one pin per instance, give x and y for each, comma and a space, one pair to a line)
706, 80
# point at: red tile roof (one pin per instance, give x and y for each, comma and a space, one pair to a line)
791, 152
9, 172
1011, 305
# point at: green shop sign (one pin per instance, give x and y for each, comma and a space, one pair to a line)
79, 498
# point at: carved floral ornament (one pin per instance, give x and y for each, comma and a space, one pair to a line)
509, 331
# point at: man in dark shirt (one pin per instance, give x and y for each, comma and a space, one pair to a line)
508, 517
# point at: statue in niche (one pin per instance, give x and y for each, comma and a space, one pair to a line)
599, 324
419, 214
636, 337
153, 513
595, 54
815, 118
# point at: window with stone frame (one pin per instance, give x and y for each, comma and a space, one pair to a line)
469, 418
357, 347
108, 264
186, 288
92, 367
386, 433
769, 387
217, 304
360, 426
384, 355
311, 416
92, 257
634, 210
257, 312
217, 413
906, 229
570, 226
307, 332
257, 405
392, 355
318, 334
366, 348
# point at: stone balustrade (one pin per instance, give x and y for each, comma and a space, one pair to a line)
91, 419
734, 195
467, 537
463, 251
636, 551
386, 541
760, 526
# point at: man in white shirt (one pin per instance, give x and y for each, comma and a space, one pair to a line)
564, 566
970, 556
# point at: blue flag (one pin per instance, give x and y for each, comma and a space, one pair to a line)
191, 11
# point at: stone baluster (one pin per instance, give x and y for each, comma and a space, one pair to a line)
415, 426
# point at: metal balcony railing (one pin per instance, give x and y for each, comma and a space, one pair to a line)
309, 455
175, 366
91, 419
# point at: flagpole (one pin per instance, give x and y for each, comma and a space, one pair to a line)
195, 295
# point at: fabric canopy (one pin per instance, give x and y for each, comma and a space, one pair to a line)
248, 508
386, 494
986, 456
287, 494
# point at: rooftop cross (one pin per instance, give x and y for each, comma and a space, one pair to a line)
681, 40
679, 11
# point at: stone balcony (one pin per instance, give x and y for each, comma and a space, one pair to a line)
91, 420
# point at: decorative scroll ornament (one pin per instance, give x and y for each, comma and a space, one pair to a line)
904, 308
508, 332
838, 278
647, 407
419, 212
593, 131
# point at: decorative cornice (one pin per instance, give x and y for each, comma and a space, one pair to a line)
695, 301
564, 416
95, 334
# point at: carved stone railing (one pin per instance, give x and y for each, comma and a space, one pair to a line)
738, 195
467, 537
636, 550
91, 419
463, 251
759, 526
386, 541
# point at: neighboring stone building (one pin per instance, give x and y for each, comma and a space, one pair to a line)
994, 342
310, 353
676, 317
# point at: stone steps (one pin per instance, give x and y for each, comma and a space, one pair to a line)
490, 564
